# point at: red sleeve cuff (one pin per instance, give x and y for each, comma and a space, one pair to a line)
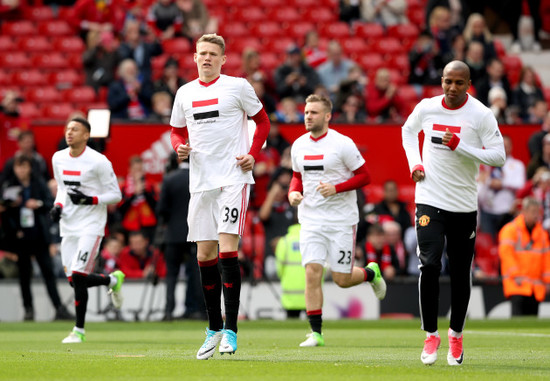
418, 167
95, 200
453, 142
296, 183
59, 204
178, 136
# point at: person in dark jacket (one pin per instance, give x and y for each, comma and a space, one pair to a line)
24, 204
172, 213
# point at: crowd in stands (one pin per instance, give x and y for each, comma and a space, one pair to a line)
137, 55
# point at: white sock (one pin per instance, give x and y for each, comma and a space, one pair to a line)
436, 334
79, 330
113, 281
454, 334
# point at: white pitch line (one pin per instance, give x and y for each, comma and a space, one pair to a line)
509, 333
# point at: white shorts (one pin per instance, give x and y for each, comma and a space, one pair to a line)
333, 245
78, 254
216, 211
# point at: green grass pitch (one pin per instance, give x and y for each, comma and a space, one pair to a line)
517, 349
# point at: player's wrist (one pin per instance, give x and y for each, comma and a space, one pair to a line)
453, 143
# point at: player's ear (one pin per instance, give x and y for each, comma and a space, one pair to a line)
195, 57
224, 58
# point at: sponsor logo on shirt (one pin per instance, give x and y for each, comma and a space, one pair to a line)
73, 180
206, 114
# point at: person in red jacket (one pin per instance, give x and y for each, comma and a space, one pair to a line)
383, 102
97, 15
139, 260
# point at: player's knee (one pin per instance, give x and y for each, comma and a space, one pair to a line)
342, 281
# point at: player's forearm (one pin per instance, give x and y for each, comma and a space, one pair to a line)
361, 178
411, 146
178, 136
261, 133
493, 156
296, 184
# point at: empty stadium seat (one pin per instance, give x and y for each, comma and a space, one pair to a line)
388, 46
19, 28
408, 93
486, 254
253, 15
34, 44
279, 45
81, 94
7, 44
43, 94
283, 14
55, 28
270, 61
29, 110
38, 13
400, 62
69, 44
336, 30
320, 15
241, 44
233, 29
30, 77
58, 111
176, 46
298, 30
267, 29
354, 45
67, 78
4, 78
370, 62
52, 60
369, 31
406, 33
432, 91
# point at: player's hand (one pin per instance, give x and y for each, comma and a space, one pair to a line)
295, 198
79, 198
447, 137
326, 189
246, 162
183, 151
55, 213
418, 175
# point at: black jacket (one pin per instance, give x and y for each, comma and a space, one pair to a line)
173, 204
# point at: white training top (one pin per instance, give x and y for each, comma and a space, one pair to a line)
92, 173
450, 182
215, 115
332, 158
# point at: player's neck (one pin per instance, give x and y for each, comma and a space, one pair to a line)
319, 134
208, 80
76, 151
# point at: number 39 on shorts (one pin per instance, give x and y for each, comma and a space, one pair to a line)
231, 215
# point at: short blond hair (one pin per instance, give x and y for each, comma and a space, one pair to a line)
213, 38
322, 99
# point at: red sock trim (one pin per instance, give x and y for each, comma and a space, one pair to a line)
365, 272
314, 312
78, 272
212, 262
229, 254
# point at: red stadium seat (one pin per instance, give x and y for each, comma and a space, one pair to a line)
400, 62
30, 77
499, 47
417, 16
43, 94
280, 45
55, 28
486, 254
389, 46
406, 33
252, 15
233, 62
370, 62
298, 30
512, 63
354, 45
69, 44
33, 44
29, 110
432, 91
408, 93
14, 60
233, 29
7, 44
4, 78
270, 61
19, 28
271, 3
75, 60
53, 60
67, 78
38, 13
241, 44
320, 15
268, 29
58, 111
283, 14
336, 30
82, 94
176, 46
370, 32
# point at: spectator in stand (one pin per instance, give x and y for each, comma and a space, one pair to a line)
25, 201
100, 59
252, 68
525, 259
496, 77
313, 54
140, 44
425, 61
276, 140
535, 141
352, 111
109, 256
384, 12
129, 97
497, 190
165, 19
458, 49
394, 238
527, 92
295, 78
540, 159
170, 81
377, 250
335, 69
511, 11
26, 147
161, 104
441, 28
288, 112
276, 213
498, 103
11, 125
139, 260
474, 60
392, 207
11, 9
354, 84
270, 104
196, 20
266, 165
539, 188
137, 208
97, 15
383, 101
458, 11
476, 30
537, 112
